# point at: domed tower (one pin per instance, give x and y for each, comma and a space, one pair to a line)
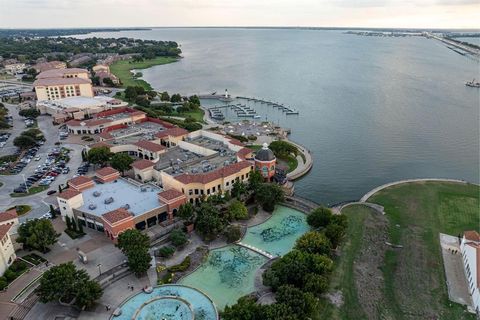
265, 162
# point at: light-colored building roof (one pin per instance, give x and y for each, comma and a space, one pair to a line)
116, 215
60, 81
213, 175
59, 73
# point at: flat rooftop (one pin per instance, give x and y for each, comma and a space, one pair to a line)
136, 132
123, 193
179, 161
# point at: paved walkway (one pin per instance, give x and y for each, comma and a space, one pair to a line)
452, 262
303, 167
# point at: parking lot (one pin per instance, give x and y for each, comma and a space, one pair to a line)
40, 201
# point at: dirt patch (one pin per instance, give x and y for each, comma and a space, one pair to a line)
369, 280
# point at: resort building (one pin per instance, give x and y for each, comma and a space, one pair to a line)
14, 68
44, 66
57, 84
10, 218
265, 162
470, 248
78, 108
7, 251
111, 204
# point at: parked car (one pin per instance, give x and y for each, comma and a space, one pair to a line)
51, 192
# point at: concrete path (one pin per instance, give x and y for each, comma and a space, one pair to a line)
455, 275
303, 167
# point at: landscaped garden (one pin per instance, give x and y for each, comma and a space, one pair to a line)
375, 280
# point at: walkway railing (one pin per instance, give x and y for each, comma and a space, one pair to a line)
257, 250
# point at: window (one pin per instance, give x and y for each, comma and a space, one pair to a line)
190, 192
208, 191
228, 183
196, 191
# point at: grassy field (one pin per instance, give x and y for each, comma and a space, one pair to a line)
122, 70
412, 278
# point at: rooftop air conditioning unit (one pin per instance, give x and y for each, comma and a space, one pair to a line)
108, 200
97, 194
92, 207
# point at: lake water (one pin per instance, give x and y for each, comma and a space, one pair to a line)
372, 110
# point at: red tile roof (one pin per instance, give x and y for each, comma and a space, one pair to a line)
4, 228
214, 175
174, 132
116, 215
143, 164
242, 153
106, 171
68, 194
472, 236
105, 135
8, 215
236, 142
150, 146
79, 180
170, 194
58, 73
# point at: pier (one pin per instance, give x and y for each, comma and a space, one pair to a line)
286, 109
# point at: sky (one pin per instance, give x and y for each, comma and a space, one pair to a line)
314, 13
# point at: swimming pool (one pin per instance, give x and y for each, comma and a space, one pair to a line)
169, 302
229, 272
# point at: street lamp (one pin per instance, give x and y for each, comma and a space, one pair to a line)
25, 182
99, 269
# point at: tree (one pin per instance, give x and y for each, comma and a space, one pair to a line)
208, 222
255, 180
178, 238
37, 234
121, 161
164, 96
107, 81
74, 224
80, 227
68, 221
233, 233
313, 242
35, 133
186, 212
283, 148
319, 217
99, 155
66, 282
29, 113
316, 283
302, 304
237, 211
176, 98
135, 245
334, 233
24, 142
246, 308
131, 93
268, 195
238, 189
194, 100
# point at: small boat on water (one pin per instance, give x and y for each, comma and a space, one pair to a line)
256, 117
472, 84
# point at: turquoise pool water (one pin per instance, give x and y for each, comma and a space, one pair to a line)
227, 275
229, 272
278, 234
169, 302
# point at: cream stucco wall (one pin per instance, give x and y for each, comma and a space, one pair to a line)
7, 253
67, 206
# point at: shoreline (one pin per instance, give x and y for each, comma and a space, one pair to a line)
123, 70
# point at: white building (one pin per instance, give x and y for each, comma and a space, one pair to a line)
14, 68
470, 248
63, 83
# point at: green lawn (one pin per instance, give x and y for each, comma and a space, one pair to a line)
417, 213
31, 191
122, 70
21, 209
290, 161
413, 277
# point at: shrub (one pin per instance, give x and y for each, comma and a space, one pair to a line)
166, 252
178, 237
233, 233
182, 266
319, 217
10, 275
3, 283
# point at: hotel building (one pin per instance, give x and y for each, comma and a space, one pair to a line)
63, 83
470, 248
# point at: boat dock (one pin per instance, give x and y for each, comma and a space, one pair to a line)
282, 107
